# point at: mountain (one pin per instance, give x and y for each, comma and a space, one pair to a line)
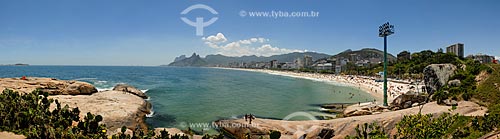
180, 58
365, 53
214, 60
290, 57
193, 61
218, 59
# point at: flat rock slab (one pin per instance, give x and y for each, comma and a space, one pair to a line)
50, 85
130, 89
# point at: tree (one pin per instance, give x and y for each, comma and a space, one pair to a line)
369, 131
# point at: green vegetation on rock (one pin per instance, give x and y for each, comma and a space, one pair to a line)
369, 131
29, 114
274, 134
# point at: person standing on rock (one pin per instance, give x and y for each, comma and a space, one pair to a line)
250, 118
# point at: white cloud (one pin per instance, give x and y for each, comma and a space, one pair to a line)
252, 46
245, 42
219, 38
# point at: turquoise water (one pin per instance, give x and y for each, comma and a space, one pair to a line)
192, 95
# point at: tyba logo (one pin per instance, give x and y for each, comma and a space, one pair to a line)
200, 22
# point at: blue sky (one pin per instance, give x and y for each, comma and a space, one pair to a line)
150, 32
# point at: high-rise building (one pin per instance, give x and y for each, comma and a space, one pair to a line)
457, 49
308, 61
299, 63
303, 62
274, 64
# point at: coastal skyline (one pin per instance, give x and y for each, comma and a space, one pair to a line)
152, 33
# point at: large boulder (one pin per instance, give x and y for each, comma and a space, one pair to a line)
130, 89
407, 100
363, 109
49, 85
359, 113
116, 107
437, 75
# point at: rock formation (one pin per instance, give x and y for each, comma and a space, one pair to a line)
50, 85
117, 108
363, 109
180, 58
130, 89
437, 75
123, 106
340, 127
407, 100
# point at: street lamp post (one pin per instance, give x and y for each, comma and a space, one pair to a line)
384, 31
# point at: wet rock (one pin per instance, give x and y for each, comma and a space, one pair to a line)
130, 89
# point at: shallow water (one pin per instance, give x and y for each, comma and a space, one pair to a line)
182, 96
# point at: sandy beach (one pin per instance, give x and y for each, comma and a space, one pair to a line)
365, 83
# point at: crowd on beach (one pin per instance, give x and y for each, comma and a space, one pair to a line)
365, 83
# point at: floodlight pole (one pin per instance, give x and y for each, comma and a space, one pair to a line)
385, 71
384, 31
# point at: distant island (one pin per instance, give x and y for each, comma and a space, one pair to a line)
17, 64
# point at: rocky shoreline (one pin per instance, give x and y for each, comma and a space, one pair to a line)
50, 85
122, 106
340, 127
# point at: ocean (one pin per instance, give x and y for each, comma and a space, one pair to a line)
183, 96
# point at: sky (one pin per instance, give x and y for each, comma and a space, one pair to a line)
151, 32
